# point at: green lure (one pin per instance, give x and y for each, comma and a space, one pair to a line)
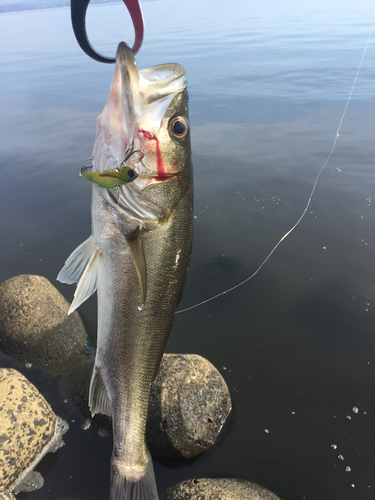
115, 177
110, 179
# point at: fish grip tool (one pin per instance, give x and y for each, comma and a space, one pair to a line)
78, 9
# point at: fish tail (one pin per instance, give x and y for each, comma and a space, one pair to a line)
143, 489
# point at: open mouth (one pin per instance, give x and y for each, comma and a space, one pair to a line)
162, 178
143, 182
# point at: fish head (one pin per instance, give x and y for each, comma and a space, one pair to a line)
146, 110
165, 171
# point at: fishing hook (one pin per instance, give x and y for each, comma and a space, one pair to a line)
78, 10
128, 153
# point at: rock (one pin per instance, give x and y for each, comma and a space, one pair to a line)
189, 405
28, 429
32, 481
218, 489
34, 322
5, 495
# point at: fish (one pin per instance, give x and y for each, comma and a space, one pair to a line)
138, 254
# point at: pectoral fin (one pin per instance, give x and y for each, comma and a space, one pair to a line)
76, 262
136, 249
82, 268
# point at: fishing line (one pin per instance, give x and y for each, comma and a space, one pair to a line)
311, 193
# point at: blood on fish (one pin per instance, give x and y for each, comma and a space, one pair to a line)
162, 175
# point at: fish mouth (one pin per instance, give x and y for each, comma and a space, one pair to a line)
162, 178
143, 182
146, 93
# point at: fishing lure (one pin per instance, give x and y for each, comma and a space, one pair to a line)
115, 177
110, 179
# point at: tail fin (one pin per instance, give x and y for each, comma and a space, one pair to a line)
144, 489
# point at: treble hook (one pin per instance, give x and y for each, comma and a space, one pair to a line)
78, 14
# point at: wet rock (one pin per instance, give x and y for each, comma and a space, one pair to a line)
32, 481
34, 324
189, 405
218, 489
5, 495
28, 430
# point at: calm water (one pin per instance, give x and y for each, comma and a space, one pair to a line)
296, 344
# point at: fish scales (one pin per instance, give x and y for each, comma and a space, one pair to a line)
138, 255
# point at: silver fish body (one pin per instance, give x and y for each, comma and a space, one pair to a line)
137, 256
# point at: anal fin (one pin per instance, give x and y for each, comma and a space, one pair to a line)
99, 401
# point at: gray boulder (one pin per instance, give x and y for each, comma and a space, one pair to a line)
34, 322
28, 430
218, 489
189, 405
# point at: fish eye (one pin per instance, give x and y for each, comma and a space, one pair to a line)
178, 128
132, 174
